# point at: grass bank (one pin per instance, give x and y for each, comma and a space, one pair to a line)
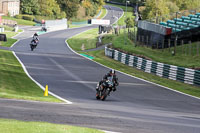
14, 126
15, 84
87, 40
164, 56
10, 40
20, 21
101, 58
103, 13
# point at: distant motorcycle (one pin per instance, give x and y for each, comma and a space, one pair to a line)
104, 89
34, 44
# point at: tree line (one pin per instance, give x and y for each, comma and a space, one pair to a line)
60, 8
155, 8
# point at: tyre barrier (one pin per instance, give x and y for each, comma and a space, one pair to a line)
185, 75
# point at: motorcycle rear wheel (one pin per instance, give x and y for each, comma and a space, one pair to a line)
105, 94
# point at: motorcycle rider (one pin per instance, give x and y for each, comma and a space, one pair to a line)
35, 39
111, 75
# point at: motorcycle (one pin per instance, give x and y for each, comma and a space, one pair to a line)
34, 44
104, 89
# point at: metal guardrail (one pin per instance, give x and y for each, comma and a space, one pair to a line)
185, 75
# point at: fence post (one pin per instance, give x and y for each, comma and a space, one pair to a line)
175, 44
190, 47
186, 49
182, 42
198, 43
139, 39
169, 45
157, 44
163, 43
142, 40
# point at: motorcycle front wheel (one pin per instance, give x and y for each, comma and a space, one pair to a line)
32, 47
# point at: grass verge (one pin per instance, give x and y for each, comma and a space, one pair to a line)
88, 38
8, 43
103, 13
14, 126
101, 58
20, 21
15, 84
164, 56
10, 40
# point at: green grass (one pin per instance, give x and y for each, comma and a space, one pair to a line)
10, 40
76, 26
189, 61
20, 21
103, 13
8, 43
101, 58
121, 21
14, 126
15, 84
88, 38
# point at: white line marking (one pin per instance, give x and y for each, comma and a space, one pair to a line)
29, 101
109, 131
93, 82
24, 68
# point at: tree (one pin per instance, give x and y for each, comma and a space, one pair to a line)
172, 7
70, 7
155, 8
30, 7
50, 8
129, 22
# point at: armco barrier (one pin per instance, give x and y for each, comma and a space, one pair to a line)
182, 74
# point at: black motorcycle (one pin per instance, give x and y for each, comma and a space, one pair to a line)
104, 89
34, 44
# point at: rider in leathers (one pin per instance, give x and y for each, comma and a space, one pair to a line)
112, 75
35, 39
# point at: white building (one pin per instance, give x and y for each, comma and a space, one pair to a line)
10, 6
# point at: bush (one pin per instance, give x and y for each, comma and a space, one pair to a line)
18, 16
27, 17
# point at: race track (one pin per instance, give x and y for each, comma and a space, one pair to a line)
136, 107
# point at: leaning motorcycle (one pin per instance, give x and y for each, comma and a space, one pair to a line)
33, 44
104, 89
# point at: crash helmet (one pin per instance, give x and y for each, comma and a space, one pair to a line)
36, 34
112, 71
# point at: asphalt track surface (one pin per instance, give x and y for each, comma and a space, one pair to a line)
136, 107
